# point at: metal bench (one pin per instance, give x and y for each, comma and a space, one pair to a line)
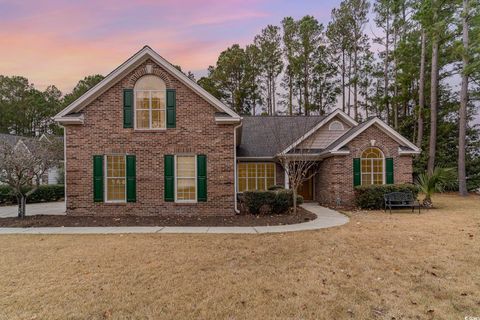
400, 199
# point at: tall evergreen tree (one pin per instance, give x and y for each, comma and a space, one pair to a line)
270, 63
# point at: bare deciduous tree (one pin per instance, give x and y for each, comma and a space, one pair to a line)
22, 167
297, 160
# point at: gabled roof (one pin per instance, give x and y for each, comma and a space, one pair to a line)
333, 114
355, 131
29, 143
266, 136
116, 75
269, 136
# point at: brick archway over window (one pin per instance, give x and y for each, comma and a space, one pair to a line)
150, 68
383, 148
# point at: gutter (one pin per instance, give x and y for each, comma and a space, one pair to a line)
235, 167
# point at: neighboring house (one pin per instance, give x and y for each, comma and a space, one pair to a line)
53, 175
148, 140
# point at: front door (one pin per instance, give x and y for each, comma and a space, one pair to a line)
306, 189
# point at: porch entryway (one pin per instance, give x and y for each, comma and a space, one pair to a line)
306, 189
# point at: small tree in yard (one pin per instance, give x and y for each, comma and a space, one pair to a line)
298, 172
300, 159
22, 167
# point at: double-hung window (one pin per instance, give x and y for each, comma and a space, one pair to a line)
186, 178
115, 177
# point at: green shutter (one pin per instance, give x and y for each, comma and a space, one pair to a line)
357, 180
201, 178
171, 106
131, 179
169, 187
98, 178
128, 108
389, 170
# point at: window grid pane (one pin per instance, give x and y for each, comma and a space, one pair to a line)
255, 176
116, 177
186, 178
150, 108
372, 166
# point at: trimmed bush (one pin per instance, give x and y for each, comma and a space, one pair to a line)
44, 193
276, 187
269, 202
371, 196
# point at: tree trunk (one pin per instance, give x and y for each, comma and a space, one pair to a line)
385, 69
433, 106
294, 199
355, 100
421, 91
22, 203
273, 97
305, 85
395, 87
366, 102
343, 80
462, 180
290, 93
349, 107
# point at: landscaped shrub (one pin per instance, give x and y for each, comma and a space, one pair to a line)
269, 202
371, 196
276, 187
44, 193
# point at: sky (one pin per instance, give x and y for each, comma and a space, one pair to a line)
60, 42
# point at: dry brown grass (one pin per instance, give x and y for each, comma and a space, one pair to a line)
379, 266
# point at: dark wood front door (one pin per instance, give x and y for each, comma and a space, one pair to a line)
306, 190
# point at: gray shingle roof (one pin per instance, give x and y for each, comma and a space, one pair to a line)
10, 138
30, 142
266, 136
346, 135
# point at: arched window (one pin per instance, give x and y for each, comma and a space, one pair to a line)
373, 166
336, 126
150, 103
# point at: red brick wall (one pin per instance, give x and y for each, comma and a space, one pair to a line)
195, 133
334, 182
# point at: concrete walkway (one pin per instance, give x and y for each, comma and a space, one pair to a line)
56, 208
325, 218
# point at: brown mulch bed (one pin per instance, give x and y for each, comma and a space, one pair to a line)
165, 220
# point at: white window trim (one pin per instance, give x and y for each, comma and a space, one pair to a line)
176, 178
384, 172
336, 122
256, 178
149, 110
105, 178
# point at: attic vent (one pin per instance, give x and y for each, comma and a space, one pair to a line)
149, 68
336, 126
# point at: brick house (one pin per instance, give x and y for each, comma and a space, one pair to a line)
148, 140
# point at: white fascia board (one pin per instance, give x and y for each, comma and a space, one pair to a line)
404, 152
223, 120
70, 120
336, 112
132, 62
42, 137
386, 128
22, 144
340, 152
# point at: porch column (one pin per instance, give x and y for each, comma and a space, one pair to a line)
287, 184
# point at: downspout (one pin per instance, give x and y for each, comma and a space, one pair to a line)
65, 166
235, 167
